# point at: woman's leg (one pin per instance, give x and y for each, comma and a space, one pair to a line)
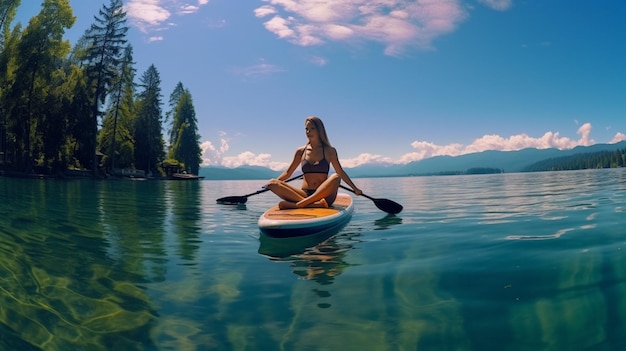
325, 194
286, 191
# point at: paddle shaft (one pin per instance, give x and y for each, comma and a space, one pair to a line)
352, 191
267, 189
385, 205
242, 199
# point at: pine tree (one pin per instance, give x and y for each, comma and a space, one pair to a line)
185, 144
116, 127
38, 54
148, 129
169, 115
107, 39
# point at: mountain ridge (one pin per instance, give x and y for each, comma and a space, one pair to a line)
508, 161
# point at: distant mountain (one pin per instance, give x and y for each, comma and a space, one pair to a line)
509, 161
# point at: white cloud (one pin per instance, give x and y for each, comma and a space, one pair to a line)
152, 15
396, 24
423, 149
213, 156
264, 10
146, 13
259, 70
365, 158
208, 154
187, 9
280, 27
246, 158
585, 131
618, 137
496, 142
426, 150
224, 146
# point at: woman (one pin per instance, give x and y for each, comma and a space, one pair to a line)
318, 188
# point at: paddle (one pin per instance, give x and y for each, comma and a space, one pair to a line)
382, 204
239, 200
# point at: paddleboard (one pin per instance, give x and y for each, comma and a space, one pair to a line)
297, 222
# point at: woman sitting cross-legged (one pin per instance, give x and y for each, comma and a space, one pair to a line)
315, 158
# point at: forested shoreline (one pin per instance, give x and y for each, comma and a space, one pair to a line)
65, 107
594, 160
585, 160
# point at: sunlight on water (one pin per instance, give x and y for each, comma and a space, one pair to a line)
492, 262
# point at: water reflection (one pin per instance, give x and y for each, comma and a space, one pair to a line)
77, 257
277, 248
157, 266
186, 218
318, 257
59, 280
133, 215
387, 221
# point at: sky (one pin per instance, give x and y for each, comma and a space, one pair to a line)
394, 81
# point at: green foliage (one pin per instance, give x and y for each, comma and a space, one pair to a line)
169, 118
116, 135
32, 72
483, 170
52, 97
184, 137
107, 39
602, 159
149, 145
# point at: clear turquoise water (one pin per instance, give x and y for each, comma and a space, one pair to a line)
497, 262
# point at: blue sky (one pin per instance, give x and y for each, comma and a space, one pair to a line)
393, 80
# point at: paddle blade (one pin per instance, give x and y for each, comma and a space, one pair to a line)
382, 204
388, 206
232, 200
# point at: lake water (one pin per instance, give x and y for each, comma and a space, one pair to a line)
532, 261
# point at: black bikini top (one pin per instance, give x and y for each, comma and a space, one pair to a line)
318, 167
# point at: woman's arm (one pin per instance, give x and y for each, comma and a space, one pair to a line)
297, 157
334, 160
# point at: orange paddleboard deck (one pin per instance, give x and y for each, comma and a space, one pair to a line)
290, 223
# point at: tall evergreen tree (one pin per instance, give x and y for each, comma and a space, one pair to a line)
54, 122
108, 38
78, 107
78, 54
149, 146
39, 53
114, 130
185, 145
169, 119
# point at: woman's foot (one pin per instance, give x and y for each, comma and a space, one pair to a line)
317, 204
323, 203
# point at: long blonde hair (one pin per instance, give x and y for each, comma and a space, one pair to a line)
321, 130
